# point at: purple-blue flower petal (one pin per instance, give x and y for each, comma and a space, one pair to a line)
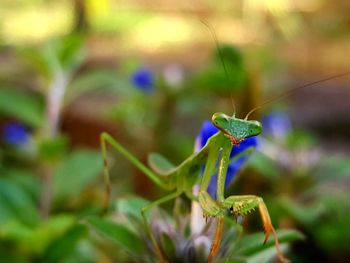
207, 130
143, 79
276, 124
14, 133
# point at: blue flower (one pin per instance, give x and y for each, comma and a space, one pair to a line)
15, 134
143, 79
276, 124
208, 130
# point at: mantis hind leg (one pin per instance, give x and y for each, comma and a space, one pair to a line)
245, 204
149, 230
106, 138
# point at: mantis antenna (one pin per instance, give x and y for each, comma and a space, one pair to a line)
288, 92
212, 31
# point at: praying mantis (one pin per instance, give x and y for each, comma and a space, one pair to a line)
180, 179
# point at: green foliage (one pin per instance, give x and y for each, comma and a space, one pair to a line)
21, 105
310, 195
251, 244
16, 202
52, 149
226, 58
118, 234
76, 171
175, 238
61, 248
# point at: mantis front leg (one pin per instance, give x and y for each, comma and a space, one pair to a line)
245, 204
239, 205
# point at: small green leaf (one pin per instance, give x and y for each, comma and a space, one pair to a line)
233, 260
21, 105
131, 207
252, 244
64, 245
69, 50
76, 171
26, 179
304, 214
264, 165
36, 239
51, 150
167, 244
16, 203
265, 255
159, 163
118, 234
332, 169
98, 80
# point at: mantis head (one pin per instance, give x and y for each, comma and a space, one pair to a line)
236, 129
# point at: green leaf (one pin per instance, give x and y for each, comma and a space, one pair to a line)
253, 244
131, 207
36, 239
64, 245
333, 168
52, 149
48, 231
233, 260
16, 203
265, 255
21, 105
36, 60
69, 51
28, 181
264, 165
167, 244
304, 214
159, 163
101, 80
118, 234
77, 170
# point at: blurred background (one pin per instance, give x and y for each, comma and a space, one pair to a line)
149, 73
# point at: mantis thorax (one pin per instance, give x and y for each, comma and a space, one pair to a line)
236, 129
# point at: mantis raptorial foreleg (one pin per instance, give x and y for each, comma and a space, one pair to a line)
240, 205
245, 204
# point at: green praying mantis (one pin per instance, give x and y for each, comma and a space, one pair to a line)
180, 179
